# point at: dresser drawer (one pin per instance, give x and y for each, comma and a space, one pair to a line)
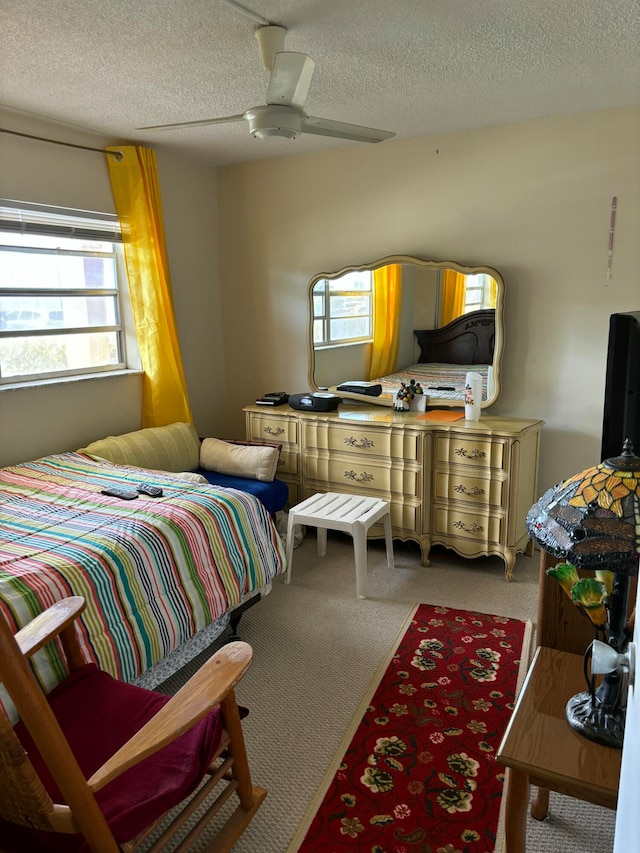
405, 516
457, 485
280, 430
362, 475
479, 452
288, 462
360, 441
474, 526
294, 493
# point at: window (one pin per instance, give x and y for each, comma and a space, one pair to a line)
343, 309
480, 292
61, 281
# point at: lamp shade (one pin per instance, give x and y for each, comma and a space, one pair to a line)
593, 518
604, 659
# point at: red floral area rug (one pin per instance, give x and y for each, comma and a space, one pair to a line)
417, 772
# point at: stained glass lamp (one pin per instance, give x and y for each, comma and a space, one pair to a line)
592, 521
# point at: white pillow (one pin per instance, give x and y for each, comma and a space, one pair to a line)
189, 477
258, 462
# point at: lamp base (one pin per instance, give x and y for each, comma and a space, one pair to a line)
596, 722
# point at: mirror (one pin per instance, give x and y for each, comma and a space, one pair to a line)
403, 317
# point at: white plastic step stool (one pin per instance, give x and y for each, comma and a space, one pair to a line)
353, 514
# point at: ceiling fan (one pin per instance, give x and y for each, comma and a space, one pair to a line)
283, 114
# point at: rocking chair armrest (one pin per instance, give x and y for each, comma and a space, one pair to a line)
48, 624
214, 681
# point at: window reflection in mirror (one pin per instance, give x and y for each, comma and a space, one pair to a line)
363, 322
458, 294
343, 309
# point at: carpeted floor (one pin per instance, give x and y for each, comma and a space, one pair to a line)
317, 648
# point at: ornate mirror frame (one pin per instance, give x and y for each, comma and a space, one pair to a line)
428, 270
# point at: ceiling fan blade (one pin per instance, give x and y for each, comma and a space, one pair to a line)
201, 123
343, 130
290, 79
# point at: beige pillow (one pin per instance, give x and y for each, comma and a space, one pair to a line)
258, 462
175, 448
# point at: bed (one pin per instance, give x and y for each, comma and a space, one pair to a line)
444, 381
446, 355
154, 571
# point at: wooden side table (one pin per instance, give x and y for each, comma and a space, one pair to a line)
540, 748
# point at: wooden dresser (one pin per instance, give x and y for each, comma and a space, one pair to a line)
465, 485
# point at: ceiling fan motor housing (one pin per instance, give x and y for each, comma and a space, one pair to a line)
272, 120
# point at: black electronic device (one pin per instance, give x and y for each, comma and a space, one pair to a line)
274, 398
123, 494
149, 490
371, 389
621, 416
314, 401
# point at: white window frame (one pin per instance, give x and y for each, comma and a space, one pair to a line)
44, 220
323, 288
481, 283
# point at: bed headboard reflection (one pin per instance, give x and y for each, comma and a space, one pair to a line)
469, 339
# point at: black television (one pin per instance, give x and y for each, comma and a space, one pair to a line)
621, 418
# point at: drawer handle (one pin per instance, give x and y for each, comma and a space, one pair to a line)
272, 431
359, 478
475, 454
472, 528
353, 442
473, 492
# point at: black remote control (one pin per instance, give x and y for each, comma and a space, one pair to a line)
149, 490
123, 494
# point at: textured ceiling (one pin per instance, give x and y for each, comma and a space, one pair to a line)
411, 66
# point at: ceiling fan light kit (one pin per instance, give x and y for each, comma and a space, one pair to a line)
283, 114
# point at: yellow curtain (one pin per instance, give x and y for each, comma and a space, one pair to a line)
452, 295
387, 301
134, 181
493, 292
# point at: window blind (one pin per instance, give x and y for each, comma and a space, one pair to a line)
24, 218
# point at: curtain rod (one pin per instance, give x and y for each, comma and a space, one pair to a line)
117, 154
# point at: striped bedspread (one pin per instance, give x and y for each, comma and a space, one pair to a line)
444, 381
153, 571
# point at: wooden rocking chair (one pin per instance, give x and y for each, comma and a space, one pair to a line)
58, 788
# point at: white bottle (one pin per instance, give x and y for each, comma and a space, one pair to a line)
472, 396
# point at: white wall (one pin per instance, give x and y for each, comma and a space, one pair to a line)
64, 416
189, 199
532, 200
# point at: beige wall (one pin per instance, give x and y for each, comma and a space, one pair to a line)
63, 416
532, 200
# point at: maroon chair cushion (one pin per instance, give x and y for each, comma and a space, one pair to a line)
98, 715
